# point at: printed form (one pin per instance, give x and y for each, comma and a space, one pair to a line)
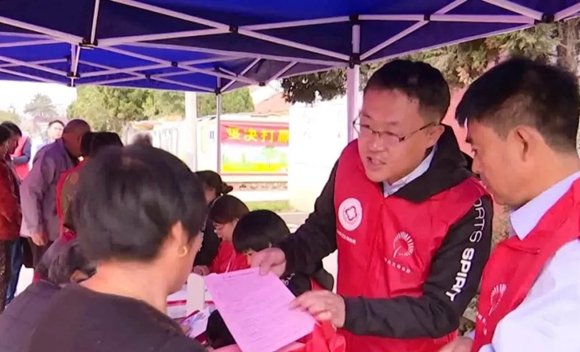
256, 310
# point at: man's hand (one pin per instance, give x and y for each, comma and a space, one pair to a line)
201, 270
271, 259
461, 344
40, 239
324, 306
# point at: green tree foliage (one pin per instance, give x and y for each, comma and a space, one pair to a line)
460, 63
41, 106
232, 102
110, 109
10, 115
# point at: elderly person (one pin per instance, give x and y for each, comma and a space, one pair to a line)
38, 190
19, 320
138, 212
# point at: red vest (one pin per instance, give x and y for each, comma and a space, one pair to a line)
23, 169
515, 264
386, 245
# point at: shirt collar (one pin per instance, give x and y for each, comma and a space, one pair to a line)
390, 189
524, 219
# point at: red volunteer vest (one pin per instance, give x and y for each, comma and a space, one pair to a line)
386, 245
23, 169
515, 264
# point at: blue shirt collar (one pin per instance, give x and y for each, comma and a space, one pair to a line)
524, 219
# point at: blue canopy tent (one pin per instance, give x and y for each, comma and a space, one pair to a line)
216, 46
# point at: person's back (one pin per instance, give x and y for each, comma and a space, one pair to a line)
88, 321
19, 319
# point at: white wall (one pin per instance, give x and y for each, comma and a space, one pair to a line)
318, 133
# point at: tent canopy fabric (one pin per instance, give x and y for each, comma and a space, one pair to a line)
217, 46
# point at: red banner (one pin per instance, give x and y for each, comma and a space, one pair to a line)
255, 134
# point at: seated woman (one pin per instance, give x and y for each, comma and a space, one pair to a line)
254, 232
224, 214
19, 320
213, 187
138, 212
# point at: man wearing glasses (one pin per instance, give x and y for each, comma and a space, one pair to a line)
411, 223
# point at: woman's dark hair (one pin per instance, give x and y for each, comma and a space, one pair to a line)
213, 180
93, 142
143, 139
60, 262
227, 209
128, 200
13, 128
5, 134
258, 230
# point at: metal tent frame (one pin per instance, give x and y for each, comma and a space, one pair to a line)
156, 60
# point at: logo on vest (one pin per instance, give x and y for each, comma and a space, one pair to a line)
350, 214
495, 297
403, 245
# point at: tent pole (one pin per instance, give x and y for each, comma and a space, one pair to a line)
218, 114
353, 83
191, 118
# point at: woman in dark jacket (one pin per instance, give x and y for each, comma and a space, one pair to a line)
213, 187
138, 212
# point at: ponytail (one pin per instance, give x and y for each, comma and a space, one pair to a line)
226, 189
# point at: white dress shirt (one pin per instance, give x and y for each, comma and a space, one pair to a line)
390, 189
548, 320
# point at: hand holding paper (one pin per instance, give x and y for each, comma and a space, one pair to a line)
324, 306
256, 309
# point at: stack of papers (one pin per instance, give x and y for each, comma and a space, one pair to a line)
256, 310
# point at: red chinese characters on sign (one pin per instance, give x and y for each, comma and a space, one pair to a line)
255, 134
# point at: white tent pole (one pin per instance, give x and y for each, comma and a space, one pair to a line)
191, 118
353, 81
218, 119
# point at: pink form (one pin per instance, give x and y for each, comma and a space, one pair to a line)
256, 310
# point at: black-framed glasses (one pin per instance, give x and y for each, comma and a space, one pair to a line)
386, 137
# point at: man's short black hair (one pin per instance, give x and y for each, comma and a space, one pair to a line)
5, 134
417, 80
53, 122
128, 200
13, 128
258, 230
521, 91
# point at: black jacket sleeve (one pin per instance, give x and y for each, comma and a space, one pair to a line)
316, 238
454, 279
209, 247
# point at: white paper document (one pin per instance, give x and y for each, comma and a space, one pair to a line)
256, 310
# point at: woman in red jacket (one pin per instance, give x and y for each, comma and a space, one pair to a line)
10, 215
91, 143
225, 213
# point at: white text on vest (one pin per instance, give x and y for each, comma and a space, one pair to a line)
468, 253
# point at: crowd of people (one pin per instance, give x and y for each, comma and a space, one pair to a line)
112, 230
